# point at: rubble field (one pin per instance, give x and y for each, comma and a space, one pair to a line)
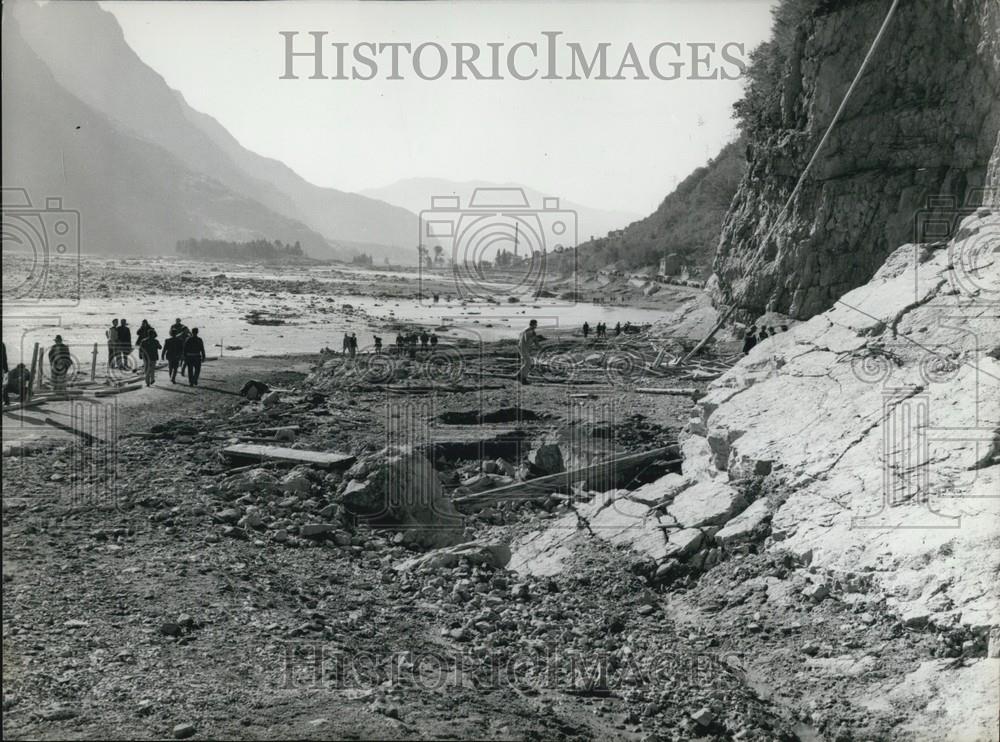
470, 546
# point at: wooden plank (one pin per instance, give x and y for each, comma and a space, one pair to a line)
542, 486
24, 405
249, 452
686, 391
119, 390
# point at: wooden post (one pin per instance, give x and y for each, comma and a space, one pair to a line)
34, 369
41, 367
93, 364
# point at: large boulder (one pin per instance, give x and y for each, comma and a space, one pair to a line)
706, 504
662, 491
546, 458
750, 525
626, 522
402, 490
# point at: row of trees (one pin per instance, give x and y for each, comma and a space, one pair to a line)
426, 258
227, 250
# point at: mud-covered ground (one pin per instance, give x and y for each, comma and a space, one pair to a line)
141, 602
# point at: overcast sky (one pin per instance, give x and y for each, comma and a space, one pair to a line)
616, 144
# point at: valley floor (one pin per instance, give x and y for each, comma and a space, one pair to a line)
132, 610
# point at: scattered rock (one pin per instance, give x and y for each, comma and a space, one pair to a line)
816, 591
686, 541
703, 716
750, 525
314, 530
183, 731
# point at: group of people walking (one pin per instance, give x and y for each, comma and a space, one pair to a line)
183, 350
600, 330
410, 342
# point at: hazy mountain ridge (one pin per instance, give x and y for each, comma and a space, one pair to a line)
133, 196
109, 77
414, 194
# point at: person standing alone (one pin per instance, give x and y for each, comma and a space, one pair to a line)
525, 344
60, 362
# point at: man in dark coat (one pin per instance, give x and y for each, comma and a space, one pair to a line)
112, 336
194, 354
149, 351
750, 339
124, 343
173, 352
60, 363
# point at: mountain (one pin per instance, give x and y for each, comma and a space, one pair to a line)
84, 48
685, 226
414, 194
133, 196
919, 129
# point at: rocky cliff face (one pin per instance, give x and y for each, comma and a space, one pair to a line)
921, 123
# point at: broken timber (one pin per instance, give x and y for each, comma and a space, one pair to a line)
686, 391
249, 453
709, 336
542, 486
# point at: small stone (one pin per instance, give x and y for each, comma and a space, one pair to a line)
666, 570
645, 610
58, 713
312, 530
183, 731
652, 709
170, 629
185, 620
229, 515
281, 535
816, 592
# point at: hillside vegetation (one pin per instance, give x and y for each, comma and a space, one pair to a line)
687, 223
